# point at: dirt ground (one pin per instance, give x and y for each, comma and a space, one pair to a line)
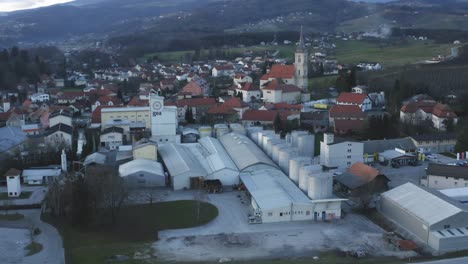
230, 236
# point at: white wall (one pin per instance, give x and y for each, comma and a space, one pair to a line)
13, 186
341, 155
438, 183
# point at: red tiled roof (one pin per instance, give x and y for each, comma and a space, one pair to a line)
260, 115
193, 102
286, 106
136, 101
5, 116
12, 172
346, 111
107, 99
226, 67
351, 98
443, 111
280, 71
364, 172
194, 88
344, 126
236, 102
221, 109
96, 115
412, 107
249, 87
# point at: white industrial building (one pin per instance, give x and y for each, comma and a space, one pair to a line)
274, 196
13, 182
340, 154
41, 175
428, 216
143, 173
207, 159
164, 121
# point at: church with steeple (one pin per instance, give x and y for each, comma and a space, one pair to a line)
301, 64
296, 74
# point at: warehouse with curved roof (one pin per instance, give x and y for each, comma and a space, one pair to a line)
143, 173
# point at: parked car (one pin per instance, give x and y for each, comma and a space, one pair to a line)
431, 156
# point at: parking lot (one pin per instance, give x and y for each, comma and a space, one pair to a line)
37, 196
230, 236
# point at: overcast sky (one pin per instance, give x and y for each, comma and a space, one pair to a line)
13, 5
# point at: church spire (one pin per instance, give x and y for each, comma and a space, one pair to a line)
301, 46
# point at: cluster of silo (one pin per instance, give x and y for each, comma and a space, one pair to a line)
295, 165
302, 140
306, 172
205, 131
252, 133
221, 130
261, 135
276, 151
238, 128
268, 141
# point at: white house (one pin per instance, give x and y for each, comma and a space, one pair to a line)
59, 136
361, 100
278, 93
112, 137
428, 110
340, 154
249, 92
13, 182
223, 70
40, 98
242, 78
60, 117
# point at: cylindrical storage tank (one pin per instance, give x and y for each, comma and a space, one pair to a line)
251, 130
263, 134
276, 151
205, 131
254, 137
273, 143
295, 164
320, 186
295, 136
306, 144
221, 130
267, 139
288, 138
238, 128
304, 174
284, 156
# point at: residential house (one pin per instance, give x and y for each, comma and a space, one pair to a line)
357, 99
315, 120
60, 116
346, 118
340, 154
106, 101
242, 78
59, 136
249, 92
224, 70
441, 176
199, 107
418, 112
222, 113
197, 87
40, 98
237, 104
276, 92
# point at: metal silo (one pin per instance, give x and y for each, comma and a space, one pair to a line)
284, 156
320, 186
306, 145
295, 164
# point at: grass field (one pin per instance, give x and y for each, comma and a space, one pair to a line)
23, 195
135, 229
11, 217
354, 51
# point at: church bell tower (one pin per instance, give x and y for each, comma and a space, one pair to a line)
301, 64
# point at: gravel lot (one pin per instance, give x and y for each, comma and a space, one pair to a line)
12, 243
230, 236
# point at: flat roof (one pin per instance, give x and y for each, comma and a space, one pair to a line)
124, 109
271, 188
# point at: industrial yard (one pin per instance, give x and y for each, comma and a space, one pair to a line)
230, 236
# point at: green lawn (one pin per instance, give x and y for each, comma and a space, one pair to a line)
354, 51
33, 248
136, 227
23, 195
11, 217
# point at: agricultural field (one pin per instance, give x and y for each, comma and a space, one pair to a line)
354, 51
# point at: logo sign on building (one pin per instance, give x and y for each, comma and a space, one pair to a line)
157, 106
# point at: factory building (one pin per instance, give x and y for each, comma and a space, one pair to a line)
428, 216
143, 173
207, 159
274, 196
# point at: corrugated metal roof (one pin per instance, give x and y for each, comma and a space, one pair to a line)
244, 152
378, 146
429, 206
447, 171
141, 165
179, 160
271, 188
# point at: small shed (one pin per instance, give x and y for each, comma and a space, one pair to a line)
13, 182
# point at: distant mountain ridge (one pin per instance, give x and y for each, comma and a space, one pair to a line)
101, 19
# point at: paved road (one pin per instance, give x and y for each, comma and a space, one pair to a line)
447, 261
52, 252
37, 196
